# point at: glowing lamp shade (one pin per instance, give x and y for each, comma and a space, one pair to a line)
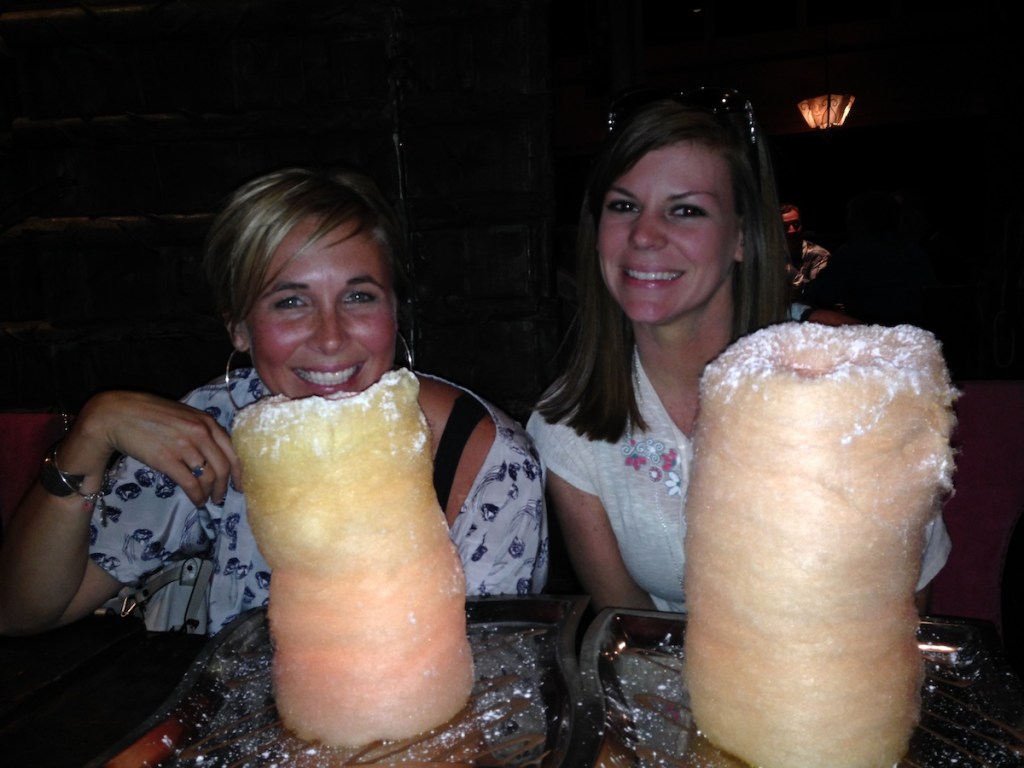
826, 111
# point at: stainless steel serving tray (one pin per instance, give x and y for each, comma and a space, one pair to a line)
972, 703
527, 709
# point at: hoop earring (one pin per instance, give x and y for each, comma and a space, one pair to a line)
407, 350
227, 380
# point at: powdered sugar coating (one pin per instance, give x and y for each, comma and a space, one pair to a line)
895, 361
270, 415
904, 355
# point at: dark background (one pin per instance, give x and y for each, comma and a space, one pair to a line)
123, 125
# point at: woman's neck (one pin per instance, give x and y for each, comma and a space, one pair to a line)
674, 360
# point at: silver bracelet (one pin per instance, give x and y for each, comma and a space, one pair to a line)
62, 484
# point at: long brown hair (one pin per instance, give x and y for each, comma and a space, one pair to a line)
595, 395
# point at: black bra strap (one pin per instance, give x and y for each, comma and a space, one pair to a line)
466, 413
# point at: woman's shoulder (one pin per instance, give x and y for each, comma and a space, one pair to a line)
223, 396
438, 397
548, 434
437, 394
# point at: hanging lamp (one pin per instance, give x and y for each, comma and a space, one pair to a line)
826, 111
830, 109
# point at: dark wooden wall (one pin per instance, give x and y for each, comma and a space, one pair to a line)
936, 114
123, 126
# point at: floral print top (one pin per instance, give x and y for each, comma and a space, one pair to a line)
501, 532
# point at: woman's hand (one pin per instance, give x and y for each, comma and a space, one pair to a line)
46, 577
184, 443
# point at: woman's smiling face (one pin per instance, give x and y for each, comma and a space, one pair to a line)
669, 235
326, 320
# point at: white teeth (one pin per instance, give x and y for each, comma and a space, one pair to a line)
323, 379
636, 275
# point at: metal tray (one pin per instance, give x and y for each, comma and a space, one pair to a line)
972, 703
527, 708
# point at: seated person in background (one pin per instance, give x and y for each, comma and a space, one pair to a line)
680, 252
921, 224
304, 267
878, 275
806, 259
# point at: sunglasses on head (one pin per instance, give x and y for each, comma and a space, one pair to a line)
717, 101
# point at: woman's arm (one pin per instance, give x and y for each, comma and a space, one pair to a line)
496, 504
46, 576
593, 548
471, 462
502, 531
937, 547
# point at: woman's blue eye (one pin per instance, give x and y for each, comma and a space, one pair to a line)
360, 297
289, 302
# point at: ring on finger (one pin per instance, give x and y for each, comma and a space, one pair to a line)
197, 471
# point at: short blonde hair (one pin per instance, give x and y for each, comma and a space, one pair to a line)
258, 216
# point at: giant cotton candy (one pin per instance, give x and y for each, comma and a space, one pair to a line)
821, 455
367, 596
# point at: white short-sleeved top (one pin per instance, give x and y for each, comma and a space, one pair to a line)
641, 480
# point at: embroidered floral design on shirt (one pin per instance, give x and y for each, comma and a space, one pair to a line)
672, 482
655, 458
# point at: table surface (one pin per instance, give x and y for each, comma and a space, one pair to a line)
67, 695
